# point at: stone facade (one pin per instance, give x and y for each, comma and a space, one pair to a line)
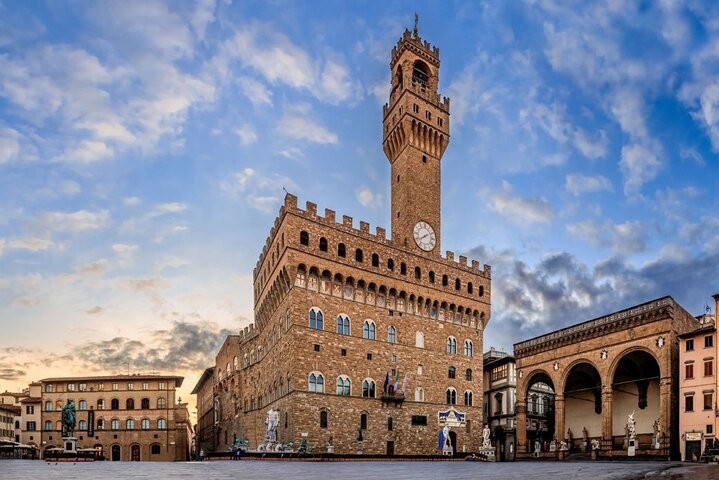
204, 437
604, 369
339, 309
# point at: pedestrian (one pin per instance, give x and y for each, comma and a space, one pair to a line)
202, 454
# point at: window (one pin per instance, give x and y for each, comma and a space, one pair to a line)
343, 352
708, 401
499, 373
115, 404
690, 345
341, 250
323, 419
316, 382
708, 368
100, 424
451, 345
363, 421
145, 424
468, 398
689, 371
48, 425
161, 386
82, 405
390, 265
709, 341
451, 372
161, 403
316, 347
445, 280
155, 449
115, 387
130, 424
101, 386
481, 290
392, 334
82, 425
419, 420
470, 289
419, 340
161, 424
375, 260
49, 388
468, 348
689, 403
101, 404
115, 424
146, 386
130, 404
323, 244
403, 268
368, 388
316, 319
431, 277
451, 396
31, 426
82, 387
390, 424
359, 256
440, 121
419, 394
368, 330
70, 387
145, 403
468, 375
498, 404
343, 324
457, 284
420, 369
304, 238
710, 429
415, 108
417, 273
48, 406
343, 385
369, 356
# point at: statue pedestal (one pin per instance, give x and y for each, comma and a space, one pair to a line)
360, 447
330, 449
447, 451
69, 444
632, 448
488, 453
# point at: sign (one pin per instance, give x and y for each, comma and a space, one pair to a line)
91, 423
693, 436
451, 418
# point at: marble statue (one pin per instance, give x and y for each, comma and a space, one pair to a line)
563, 447
272, 421
447, 439
68, 418
595, 444
657, 427
486, 433
632, 426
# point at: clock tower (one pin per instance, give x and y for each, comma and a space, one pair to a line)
415, 136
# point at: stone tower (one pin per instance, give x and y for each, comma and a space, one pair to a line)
415, 135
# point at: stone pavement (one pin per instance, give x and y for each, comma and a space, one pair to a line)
279, 470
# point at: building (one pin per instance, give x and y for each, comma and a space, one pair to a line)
698, 388
14, 399
30, 412
605, 369
363, 343
205, 427
123, 417
8, 413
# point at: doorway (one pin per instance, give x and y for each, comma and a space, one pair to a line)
453, 439
390, 447
116, 453
693, 450
135, 453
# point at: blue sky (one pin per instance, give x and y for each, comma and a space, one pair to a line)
144, 148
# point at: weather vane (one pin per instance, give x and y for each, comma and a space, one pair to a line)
416, 21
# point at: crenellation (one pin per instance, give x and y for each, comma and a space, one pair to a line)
330, 215
463, 260
475, 265
311, 208
291, 201
449, 255
347, 221
381, 233
364, 227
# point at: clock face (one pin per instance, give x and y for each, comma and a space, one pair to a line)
424, 236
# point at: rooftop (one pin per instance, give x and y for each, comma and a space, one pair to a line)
133, 376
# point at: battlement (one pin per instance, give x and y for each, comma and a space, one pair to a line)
379, 236
248, 333
413, 39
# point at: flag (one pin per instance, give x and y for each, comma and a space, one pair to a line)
404, 384
396, 381
386, 382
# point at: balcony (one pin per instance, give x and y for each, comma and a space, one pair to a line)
393, 398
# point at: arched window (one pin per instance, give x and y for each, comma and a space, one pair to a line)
130, 424
468, 348
101, 404
129, 404
431, 277
49, 388
481, 290
161, 403
468, 374
323, 244
419, 339
375, 260
451, 396
316, 318
420, 73
451, 372
343, 324
341, 250
390, 265
82, 425
145, 402
161, 424
363, 421
145, 424
115, 424
317, 382
100, 424
391, 334
82, 405
359, 255
48, 406
368, 388
445, 280
403, 268
368, 330
304, 238
155, 449
323, 419
451, 345
417, 273
390, 424
468, 398
419, 394
457, 284
235, 365
420, 369
343, 385
115, 404
48, 425
470, 288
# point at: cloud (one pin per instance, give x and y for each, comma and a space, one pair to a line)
31, 244
131, 201
203, 16
9, 144
297, 124
639, 164
261, 192
520, 210
247, 134
692, 155
75, 222
624, 238
577, 184
11, 374
367, 198
336, 84
169, 207
256, 92
97, 267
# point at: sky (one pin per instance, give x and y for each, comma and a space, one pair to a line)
145, 146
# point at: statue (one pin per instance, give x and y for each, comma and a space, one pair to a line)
631, 426
272, 421
68, 418
563, 446
657, 427
595, 444
486, 442
447, 440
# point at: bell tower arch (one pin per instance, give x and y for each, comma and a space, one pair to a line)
415, 136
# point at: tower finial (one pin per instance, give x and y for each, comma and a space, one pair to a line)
415, 32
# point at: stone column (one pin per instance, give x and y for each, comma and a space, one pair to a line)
665, 410
607, 427
521, 428
559, 418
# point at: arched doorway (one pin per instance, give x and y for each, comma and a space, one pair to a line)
540, 424
453, 439
115, 455
135, 453
98, 451
582, 406
500, 439
635, 389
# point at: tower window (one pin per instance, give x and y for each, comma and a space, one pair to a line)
415, 108
424, 158
390, 265
431, 277
304, 238
323, 244
341, 251
481, 291
440, 121
420, 73
457, 284
403, 268
428, 115
375, 260
445, 280
358, 255
417, 273
397, 178
470, 289
398, 214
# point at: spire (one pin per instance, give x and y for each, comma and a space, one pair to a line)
415, 32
